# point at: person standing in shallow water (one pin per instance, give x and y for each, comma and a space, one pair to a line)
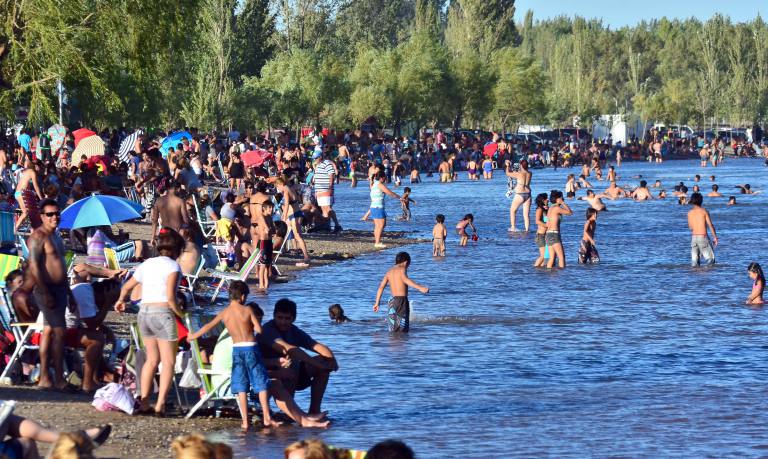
398, 311
552, 236
698, 222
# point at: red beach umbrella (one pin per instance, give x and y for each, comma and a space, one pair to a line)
255, 158
81, 134
490, 148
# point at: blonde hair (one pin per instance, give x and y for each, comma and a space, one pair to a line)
72, 445
315, 449
197, 447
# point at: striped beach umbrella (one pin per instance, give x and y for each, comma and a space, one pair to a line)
81, 134
127, 146
88, 147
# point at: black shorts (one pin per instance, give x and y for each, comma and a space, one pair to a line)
541, 240
305, 379
54, 317
11, 449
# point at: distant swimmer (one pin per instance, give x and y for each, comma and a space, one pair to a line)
398, 310
698, 222
657, 184
336, 313
594, 201
662, 194
556, 210
439, 233
714, 193
758, 283
615, 192
732, 201
570, 187
746, 189
641, 193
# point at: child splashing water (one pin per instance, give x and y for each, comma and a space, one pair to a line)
758, 285
461, 229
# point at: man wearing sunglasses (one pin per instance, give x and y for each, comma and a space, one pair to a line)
46, 277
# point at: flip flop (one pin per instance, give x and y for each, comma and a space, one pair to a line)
103, 434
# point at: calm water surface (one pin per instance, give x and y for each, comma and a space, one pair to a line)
640, 355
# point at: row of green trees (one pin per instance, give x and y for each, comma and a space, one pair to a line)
259, 63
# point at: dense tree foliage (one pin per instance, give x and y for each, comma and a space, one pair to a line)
214, 64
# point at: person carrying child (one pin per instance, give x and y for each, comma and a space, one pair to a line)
398, 311
461, 229
439, 233
588, 250
248, 370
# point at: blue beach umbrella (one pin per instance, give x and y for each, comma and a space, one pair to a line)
173, 140
99, 210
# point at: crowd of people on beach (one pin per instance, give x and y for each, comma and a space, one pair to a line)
207, 203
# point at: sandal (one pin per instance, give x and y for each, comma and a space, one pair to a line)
103, 434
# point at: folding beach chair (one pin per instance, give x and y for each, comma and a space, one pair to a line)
131, 194
288, 237
215, 383
226, 277
207, 225
22, 331
7, 234
110, 254
21, 245
191, 279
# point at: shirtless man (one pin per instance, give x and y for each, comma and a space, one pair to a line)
698, 222
614, 192
594, 201
46, 277
257, 198
552, 236
399, 311
171, 209
641, 193
445, 171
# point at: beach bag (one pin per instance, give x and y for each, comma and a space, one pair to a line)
190, 379
114, 397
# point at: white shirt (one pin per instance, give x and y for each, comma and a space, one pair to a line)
153, 276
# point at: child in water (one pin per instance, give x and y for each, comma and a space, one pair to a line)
541, 227
405, 203
461, 229
439, 233
336, 313
588, 249
758, 285
398, 308
248, 371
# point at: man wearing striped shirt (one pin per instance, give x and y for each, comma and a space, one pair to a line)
324, 179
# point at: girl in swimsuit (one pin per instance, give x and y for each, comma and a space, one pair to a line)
522, 193
472, 170
758, 285
487, 168
29, 176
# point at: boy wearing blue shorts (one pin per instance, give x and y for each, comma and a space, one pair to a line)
398, 310
248, 370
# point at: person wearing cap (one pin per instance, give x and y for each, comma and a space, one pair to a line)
324, 179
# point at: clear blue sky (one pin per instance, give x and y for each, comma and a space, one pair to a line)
618, 13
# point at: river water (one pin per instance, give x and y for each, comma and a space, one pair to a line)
640, 355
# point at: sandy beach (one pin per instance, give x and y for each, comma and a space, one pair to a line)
140, 436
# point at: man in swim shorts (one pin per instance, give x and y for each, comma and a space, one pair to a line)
398, 308
699, 221
47, 279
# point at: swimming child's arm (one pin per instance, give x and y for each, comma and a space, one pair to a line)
205, 328
380, 292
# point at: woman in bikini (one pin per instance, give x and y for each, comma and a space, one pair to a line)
27, 178
522, 193
293, 216
758, 283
